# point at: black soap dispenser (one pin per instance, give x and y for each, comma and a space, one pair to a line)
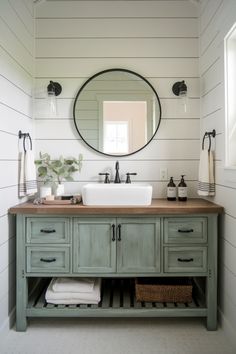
171, 190
182, 190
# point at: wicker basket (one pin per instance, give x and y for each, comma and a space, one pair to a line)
163, 289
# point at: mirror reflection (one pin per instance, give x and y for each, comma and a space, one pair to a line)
117, 112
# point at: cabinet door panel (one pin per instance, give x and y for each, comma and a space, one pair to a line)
138, 250
94, 246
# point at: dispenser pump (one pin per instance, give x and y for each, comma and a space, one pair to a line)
171, 190
182, 190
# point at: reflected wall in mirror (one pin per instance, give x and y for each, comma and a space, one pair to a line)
117, 112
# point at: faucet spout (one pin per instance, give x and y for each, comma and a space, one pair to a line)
117, 177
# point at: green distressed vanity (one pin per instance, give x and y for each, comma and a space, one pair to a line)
117, 243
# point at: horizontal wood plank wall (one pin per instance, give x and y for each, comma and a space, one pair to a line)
217, 17
157, 39
16, 83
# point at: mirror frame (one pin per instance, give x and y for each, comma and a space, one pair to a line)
126, 71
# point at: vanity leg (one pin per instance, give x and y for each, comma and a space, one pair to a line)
21, 280
211, 289
211, 305
21, 301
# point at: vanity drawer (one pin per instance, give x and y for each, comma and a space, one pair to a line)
47, 230
185, 230
185, 259
48, 259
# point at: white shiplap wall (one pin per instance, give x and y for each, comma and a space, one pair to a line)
217, 17
157, 39
16, 82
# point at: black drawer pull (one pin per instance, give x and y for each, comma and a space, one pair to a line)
48, 231
185, 230
48, 260
113, 232
185, 260
119, 232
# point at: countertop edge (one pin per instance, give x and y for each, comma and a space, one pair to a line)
158, 206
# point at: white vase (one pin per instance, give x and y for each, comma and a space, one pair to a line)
44, 191
59, 190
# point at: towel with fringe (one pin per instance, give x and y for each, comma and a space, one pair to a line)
28, 182
72, 298
206, 180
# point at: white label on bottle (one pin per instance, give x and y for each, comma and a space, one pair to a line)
171, 192
182, 192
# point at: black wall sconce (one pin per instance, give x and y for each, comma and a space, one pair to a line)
53, 89
180, 89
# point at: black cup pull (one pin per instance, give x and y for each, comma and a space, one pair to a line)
186, 231
186, 260
48, 260
47, 231
113, 232
119, 232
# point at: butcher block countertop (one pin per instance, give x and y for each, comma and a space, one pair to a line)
158, 206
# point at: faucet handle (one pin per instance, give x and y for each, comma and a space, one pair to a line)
128, 180
106, 180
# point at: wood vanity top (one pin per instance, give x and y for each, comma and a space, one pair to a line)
158, 206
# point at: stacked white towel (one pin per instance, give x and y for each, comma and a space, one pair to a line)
73, 291
206, 181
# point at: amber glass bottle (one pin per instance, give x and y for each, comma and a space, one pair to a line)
182, 190
171, 190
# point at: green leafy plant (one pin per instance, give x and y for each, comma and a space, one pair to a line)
57, 170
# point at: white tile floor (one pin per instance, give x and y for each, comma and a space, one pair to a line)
116, 336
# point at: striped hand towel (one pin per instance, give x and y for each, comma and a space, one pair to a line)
28, 182
206, 180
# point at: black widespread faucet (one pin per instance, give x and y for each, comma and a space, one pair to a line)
117, 177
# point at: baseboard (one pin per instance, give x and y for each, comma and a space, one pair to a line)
8, 323
227, 329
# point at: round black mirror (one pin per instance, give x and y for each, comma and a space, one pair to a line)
117, 112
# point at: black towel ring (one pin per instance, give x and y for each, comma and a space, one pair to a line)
208, 134
25, 135
29, 137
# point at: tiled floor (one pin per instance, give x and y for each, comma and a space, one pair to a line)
116, 336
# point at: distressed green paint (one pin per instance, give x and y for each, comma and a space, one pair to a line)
138, 251
93, 248
83, 246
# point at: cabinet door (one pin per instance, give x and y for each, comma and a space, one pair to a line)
94, 245
138, 245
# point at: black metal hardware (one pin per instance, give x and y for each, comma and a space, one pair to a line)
186, 260
25, 136
106, 180
48, 231
117, 177
208, 134
185, 231
113, 232
54, 87
119, 232
128, 180
179, 87
48, 260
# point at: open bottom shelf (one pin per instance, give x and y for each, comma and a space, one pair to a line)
117, 300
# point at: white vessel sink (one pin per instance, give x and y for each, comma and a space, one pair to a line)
117, 194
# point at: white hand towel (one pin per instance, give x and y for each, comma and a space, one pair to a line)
22, 187
74, 298
30, 173
73, 285
206, 181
